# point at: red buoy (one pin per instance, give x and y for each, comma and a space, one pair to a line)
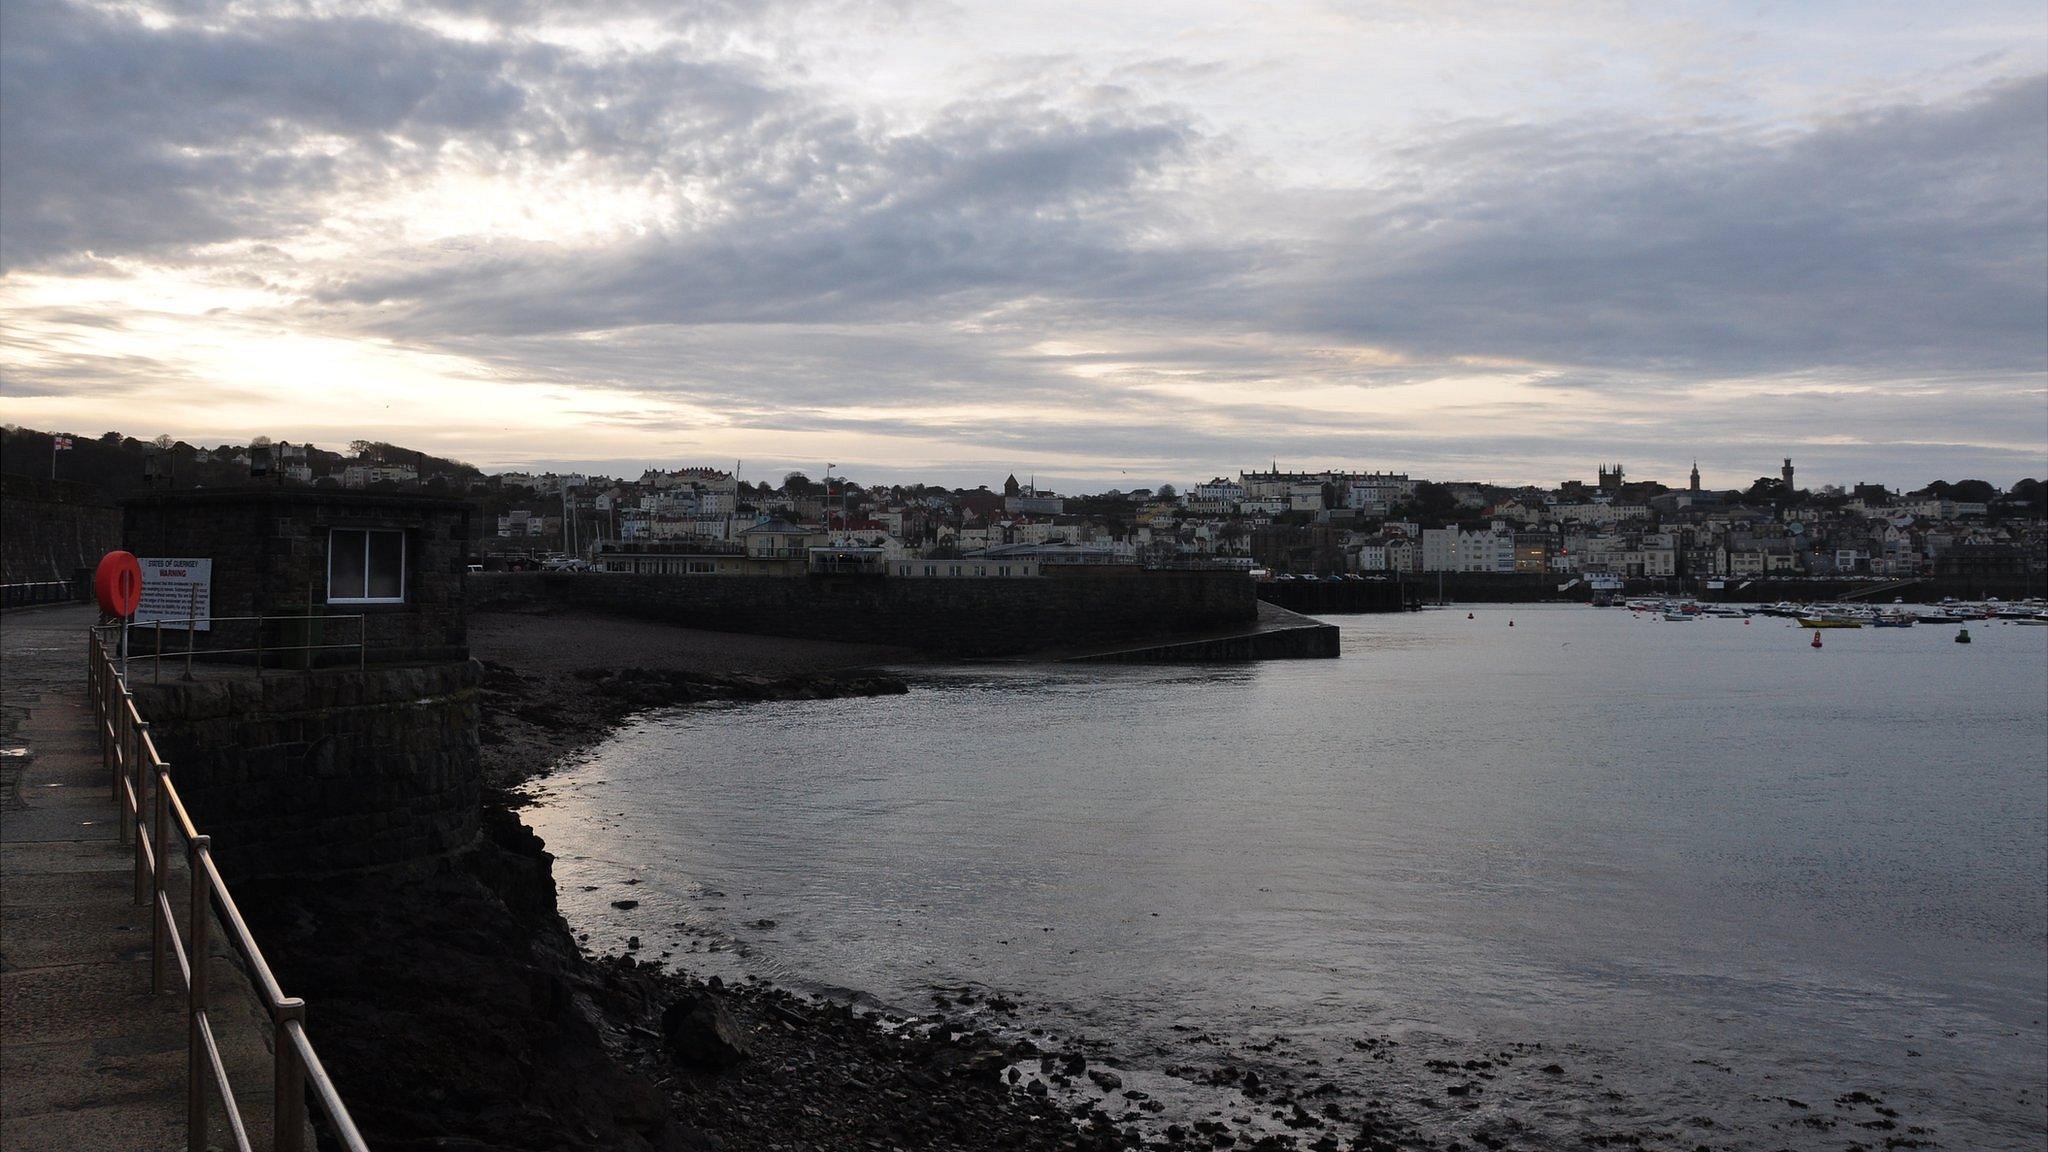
1511, 623
1816, 639
1468, 615
117, 584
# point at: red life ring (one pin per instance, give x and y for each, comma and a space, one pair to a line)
117, 583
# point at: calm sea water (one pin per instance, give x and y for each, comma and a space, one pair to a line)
1710, 870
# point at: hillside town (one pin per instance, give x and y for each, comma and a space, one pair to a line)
1274, 521
1321, 522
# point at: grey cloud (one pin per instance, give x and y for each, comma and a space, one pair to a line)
1907, 236
120, 139
831, 222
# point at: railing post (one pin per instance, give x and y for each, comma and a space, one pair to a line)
141, 789
99, 704
124, 741
158, 874
197, 1070
288, 1116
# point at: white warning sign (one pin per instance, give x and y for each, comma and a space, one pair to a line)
175, 590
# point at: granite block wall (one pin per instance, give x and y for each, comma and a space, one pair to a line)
49, 529
964, 617
301, 773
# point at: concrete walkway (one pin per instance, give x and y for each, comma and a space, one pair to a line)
89, 1058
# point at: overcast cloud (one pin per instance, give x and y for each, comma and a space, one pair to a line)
952, 241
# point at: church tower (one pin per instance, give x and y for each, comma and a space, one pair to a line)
1694, 485
1786, 472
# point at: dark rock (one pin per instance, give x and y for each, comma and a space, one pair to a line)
700, 1032
625, 905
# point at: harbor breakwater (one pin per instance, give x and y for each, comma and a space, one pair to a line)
1532, 587
1338, 597
53, 529
973, 618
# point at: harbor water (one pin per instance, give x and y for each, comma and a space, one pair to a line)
1697, 882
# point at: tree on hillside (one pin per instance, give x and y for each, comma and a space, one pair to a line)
1766, 490
1431, 506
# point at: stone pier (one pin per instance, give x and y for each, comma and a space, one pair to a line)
89, 1058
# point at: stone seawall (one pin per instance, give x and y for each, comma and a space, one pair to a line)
1280, 635
49, 529
1337, 597
1503, 588
303, 773
963, 617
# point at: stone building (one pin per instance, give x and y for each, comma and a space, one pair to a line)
317, 761
397, 562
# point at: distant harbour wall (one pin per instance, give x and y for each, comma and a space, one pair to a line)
1926, 591
1281, 635
1337, 597
964, 617
1523, 588
53, 529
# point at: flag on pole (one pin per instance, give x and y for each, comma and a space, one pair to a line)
61, 443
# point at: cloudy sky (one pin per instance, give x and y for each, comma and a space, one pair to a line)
1105, 243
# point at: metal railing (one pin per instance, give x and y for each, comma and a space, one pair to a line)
37, 592
127, 634
141, 782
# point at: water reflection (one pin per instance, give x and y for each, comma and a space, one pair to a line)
1704, 866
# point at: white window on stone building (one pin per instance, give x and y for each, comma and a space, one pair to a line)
365, 566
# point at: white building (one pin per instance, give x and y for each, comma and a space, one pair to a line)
1217, 496
1455, 550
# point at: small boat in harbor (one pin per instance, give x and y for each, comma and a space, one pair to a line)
1829, 622
1681, 617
